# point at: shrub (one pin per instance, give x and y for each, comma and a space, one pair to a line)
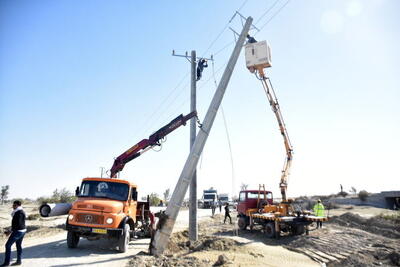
391, 217
154, 199
363, 195
59, 196
342, 194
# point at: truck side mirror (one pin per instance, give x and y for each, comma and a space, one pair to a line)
134, 194
77, 191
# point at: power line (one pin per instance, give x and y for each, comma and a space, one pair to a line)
149, 121
274, 15
244, 3
223, 30
266, 12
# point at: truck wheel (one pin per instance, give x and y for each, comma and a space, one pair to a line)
242, 223
124, 239
269, 229
72, 239
299, 229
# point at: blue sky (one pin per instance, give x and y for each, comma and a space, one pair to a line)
82, 81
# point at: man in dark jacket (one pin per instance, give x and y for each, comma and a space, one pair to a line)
227, 215
17, 233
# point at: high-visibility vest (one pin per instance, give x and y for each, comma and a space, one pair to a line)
319, 210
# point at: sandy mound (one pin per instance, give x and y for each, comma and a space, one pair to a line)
374, 225
380, 257
179, 243
167, 261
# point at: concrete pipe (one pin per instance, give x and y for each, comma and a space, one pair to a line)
54, 209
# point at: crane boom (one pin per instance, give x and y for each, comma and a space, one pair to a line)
145, 144
273, 101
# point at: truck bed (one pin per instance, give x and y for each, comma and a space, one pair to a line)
272, 217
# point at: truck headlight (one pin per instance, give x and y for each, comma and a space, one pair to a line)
70, 217
109, 220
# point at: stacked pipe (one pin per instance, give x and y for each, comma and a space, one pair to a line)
54, 209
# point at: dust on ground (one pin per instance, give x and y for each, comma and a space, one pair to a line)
218, 245
36, 225
348, 239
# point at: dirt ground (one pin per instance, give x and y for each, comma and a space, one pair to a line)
354, 236
36, 226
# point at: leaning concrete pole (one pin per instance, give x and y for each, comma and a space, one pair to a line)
166, 224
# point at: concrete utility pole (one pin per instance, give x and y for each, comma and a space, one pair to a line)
193, 231
167, 222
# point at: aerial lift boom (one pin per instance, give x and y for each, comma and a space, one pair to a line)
144, 145
273, 101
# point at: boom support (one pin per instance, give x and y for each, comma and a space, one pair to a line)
273, 101
144, 145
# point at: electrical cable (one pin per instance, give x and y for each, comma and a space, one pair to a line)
227, 136
273, 16
158, 109
150, 121
266, 12
222, 31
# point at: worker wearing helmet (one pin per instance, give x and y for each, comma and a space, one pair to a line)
319, 211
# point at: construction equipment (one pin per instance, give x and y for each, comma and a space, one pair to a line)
109, 207
280, 217
146, 144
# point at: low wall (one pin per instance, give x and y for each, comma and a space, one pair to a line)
386, 200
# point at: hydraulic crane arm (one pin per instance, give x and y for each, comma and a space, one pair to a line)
144, 145
273, 101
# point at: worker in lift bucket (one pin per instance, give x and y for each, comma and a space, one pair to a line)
319, 211
250, 40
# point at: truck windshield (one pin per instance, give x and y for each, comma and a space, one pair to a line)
251, 195
101, 189
209, 196
223, 198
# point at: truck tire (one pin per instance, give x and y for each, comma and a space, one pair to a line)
299, 229
242, 223
72, 239
124, 239
269, 229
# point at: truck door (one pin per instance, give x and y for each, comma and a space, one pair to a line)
133, 203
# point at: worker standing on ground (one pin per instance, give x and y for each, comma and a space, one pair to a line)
220, 206
213, 206
227, 215
17, 233
319, 211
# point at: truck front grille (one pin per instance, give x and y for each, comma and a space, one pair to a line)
95, 207
90, 218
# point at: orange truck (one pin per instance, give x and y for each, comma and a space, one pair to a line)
108, 208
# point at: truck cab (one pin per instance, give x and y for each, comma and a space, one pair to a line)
108, 208
223, 199
249, 199
210, 198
